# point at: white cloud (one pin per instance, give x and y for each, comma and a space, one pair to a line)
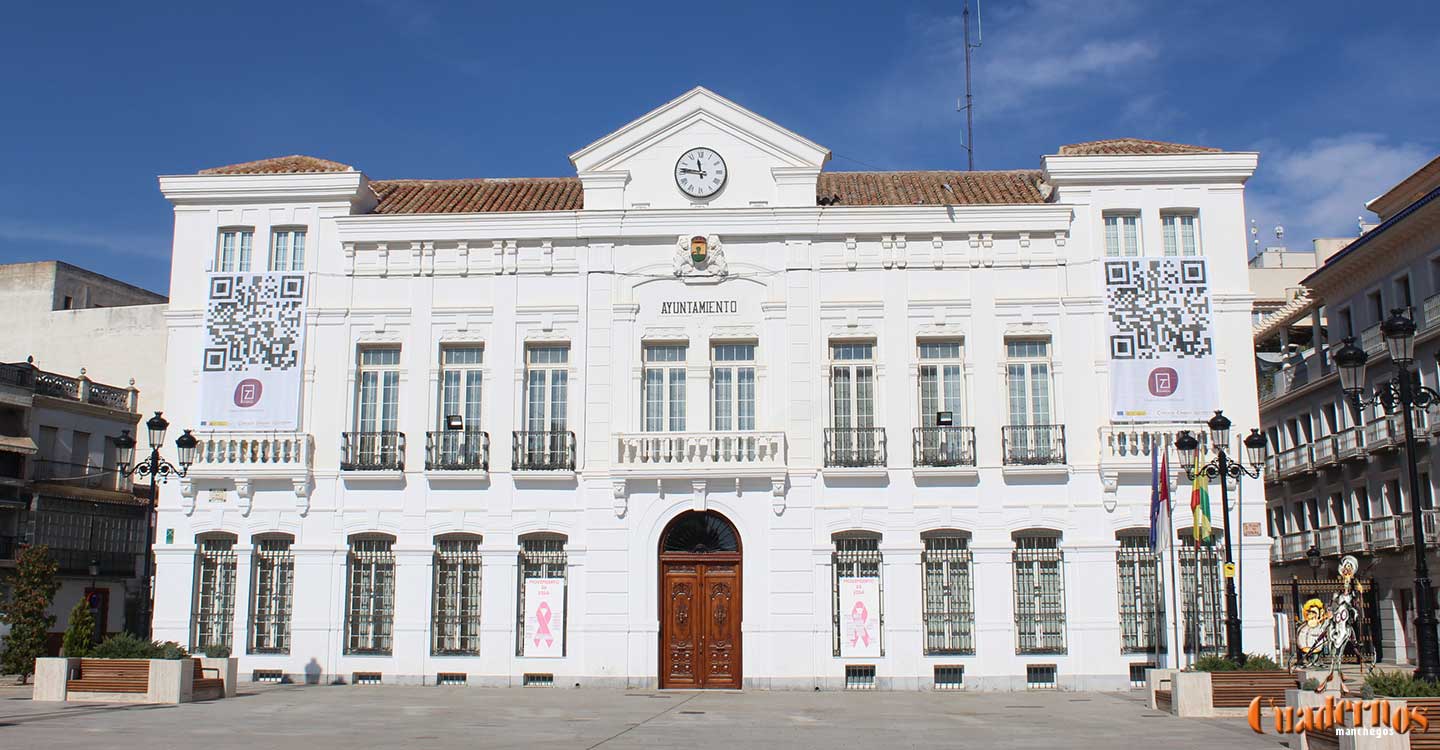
29, 233
1319, 189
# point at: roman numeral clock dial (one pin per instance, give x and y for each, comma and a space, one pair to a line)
700, 173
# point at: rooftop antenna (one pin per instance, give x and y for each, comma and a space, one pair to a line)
968, 107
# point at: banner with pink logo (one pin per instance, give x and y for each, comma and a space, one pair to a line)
1162, 348
252, 351
545, 617
860, 616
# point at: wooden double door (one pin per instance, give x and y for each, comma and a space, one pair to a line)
700, 620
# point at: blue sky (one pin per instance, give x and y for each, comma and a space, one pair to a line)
1341, 99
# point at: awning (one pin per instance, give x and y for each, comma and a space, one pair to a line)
22, 445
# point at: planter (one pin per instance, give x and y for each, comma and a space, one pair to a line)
1387, 741
1216, 694
131, 680
227, 668
1161, 685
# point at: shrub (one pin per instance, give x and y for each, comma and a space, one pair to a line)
217, 651
1213, 664
33, 591
1259, 663
80, 635
126, 646
1401, 685
1310, 684
169, 650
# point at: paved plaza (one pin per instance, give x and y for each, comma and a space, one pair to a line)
292, 716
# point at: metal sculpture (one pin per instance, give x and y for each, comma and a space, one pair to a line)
1326, 634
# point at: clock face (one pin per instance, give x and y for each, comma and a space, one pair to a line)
700, 173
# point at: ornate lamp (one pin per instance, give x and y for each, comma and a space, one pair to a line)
1399, 333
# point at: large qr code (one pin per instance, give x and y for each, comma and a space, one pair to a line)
1158, 308
253, 322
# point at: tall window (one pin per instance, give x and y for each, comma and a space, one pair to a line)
665, 388
235, 248
1039, 594
942, 389
1201, 602
1122, 234
456, 612
857, 555
214, 592
1142, 626
541, 556
1031, 436
852, 403
272, 596
949, 594
1181, 230
378, 405
547, 382
287, 250
370, 615
732, 384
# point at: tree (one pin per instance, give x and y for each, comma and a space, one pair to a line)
30, 598
80, 636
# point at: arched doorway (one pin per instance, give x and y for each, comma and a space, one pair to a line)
700, 602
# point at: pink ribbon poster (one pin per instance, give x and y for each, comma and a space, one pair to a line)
545, 617
860, 616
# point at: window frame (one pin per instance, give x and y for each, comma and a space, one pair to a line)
952, 623
1119, 216
542, 555
1032, 550
856, 551
740, 372
289, 233
371, 556
242, 252
215, 571
272, 593
1173, 217
456, 595
1142, 596
672, 377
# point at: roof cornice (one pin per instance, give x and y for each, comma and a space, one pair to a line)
208, 189
1129, 169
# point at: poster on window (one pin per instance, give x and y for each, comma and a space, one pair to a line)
545, 617
860, 616
1162, 349
251, 358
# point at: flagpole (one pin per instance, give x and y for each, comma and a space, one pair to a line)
1177, 646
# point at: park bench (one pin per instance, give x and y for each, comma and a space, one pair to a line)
1164, 695
112, 676
208, 684
1237, 689
1430, 738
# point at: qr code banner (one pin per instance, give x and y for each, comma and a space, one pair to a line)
254, 341
1162, 351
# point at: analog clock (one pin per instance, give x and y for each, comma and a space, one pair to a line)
700, 173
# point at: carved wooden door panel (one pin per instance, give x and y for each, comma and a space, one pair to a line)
721, 630
679, 662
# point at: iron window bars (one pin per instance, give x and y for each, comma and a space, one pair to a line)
455, 616
273, 597
542, 557
856, 557
949, 613
214, 608
370, 620
1141, 592
1039, 595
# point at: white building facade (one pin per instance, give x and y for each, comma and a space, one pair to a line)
704, 415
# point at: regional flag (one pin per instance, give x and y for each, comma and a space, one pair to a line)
1200, 504
1154, 497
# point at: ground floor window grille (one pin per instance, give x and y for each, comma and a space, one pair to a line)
857, 557
1137, 674
1040, 676
1039, 595
949, 595
273, 591
860, 677
541, 557
214, 593
456, 612
369, 626
949, 677
1141, 592
1202, 605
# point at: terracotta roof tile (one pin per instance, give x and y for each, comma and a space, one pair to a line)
294, 164
1131, 146
478, 196
929, 188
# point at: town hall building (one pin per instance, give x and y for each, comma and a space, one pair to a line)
706, 414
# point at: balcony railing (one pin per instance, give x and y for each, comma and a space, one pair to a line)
89, 476
855, 447
1271, 469
55, 385
1328, 540
680, 453
457, 450
944, 446
1323, 451
1350, 444
1384, 533
548, 450
19, 376
1295, 461
1130, 446
372, 451
1295, 544
1034, 445
1355, 536
1371, 341
249, 453
1431, 312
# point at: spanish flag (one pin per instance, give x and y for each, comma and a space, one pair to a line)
1200, 504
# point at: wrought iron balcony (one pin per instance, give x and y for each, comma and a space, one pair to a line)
372, 451
854, 447
944, 446
681, 454
457, 450
545, 450
248, 454
1295, 461
1034, 445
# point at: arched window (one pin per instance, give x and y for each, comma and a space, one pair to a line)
949, 592
455, 616
213, 608
858, 594
1140, 588
272, 593
370, 620
1039, 592
540, 617
700, 532
1202, 604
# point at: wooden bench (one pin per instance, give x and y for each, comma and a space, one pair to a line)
1163, 700
111, 676
1431, 737
1237, 689
201, 682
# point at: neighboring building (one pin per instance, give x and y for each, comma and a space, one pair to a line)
651, 425
1334, 483
71, 319
59, 487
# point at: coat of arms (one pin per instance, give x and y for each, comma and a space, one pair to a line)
700, 255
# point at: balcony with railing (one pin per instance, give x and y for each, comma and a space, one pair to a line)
1350, 444
1387, 432
87, 476
372, 451
253, 454
1270, 470
17, 376
457, 450
82, 389
1327, 539
543, 451
1295, 544
1128, 447
1034, 445
1431, 312
1294, 462
1384, 533
1371, 341
1323, 452
700, 454
943, 447
855, 448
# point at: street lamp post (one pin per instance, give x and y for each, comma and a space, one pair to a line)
1225, 468
1405, 394
158, 470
